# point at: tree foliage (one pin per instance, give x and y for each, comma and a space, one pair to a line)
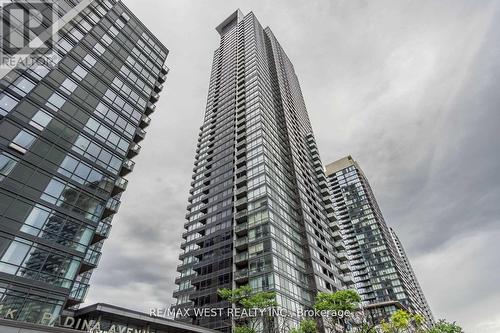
442, 326
402, 321
246, 298
306, 326
342, 300
243, 329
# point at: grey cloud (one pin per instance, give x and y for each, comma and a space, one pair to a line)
409, 88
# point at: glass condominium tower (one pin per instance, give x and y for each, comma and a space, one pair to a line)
382, 273
259, 210
71, 119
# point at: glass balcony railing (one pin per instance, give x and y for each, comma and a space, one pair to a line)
113, 204
154, 97
121, 183
134, 150
240, 216
150, 108
145, 121
241, 257
241, 228
140, 134
241, 242
92, 257
241, 274
79, 291
103, 229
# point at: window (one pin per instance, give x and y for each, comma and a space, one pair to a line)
68, 86
13, 257
125, 17
22, 86
7, 103
99, 49
106, 39
36, 219
89, 60
7, 163
40, 120
80, 72
53, 191
39, 70
65, 45
23, 141
55, 101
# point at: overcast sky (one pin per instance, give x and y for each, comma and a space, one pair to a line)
410, 89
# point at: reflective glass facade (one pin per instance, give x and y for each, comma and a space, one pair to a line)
69, 125
259, 210
382, 273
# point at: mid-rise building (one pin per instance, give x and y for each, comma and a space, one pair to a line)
382, 273
72, 116
99, 318
259, 209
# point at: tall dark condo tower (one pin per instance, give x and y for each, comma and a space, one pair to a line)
423, 306
260, 211
71, 119
381, 270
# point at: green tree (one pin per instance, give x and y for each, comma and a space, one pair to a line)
305, 326
340, 302
402, 321
366, 328
246, 298
442, 326
243, 329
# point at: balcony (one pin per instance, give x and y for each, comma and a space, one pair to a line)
78, 292
329, 207
339, 245
140, 134
241, 191
342, 255
241, 243
348, 279
165, 70
150, 108
241, 258
241, 229
102, 232
120, 186
331, 217
241, 216
145, 121
241, 181
154, 97
241, 203
344, 268
127, 167
241, 276
133, 150
336, 236
158, 87
92, 257
162, 78
324, 191
90, 261
111, 208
